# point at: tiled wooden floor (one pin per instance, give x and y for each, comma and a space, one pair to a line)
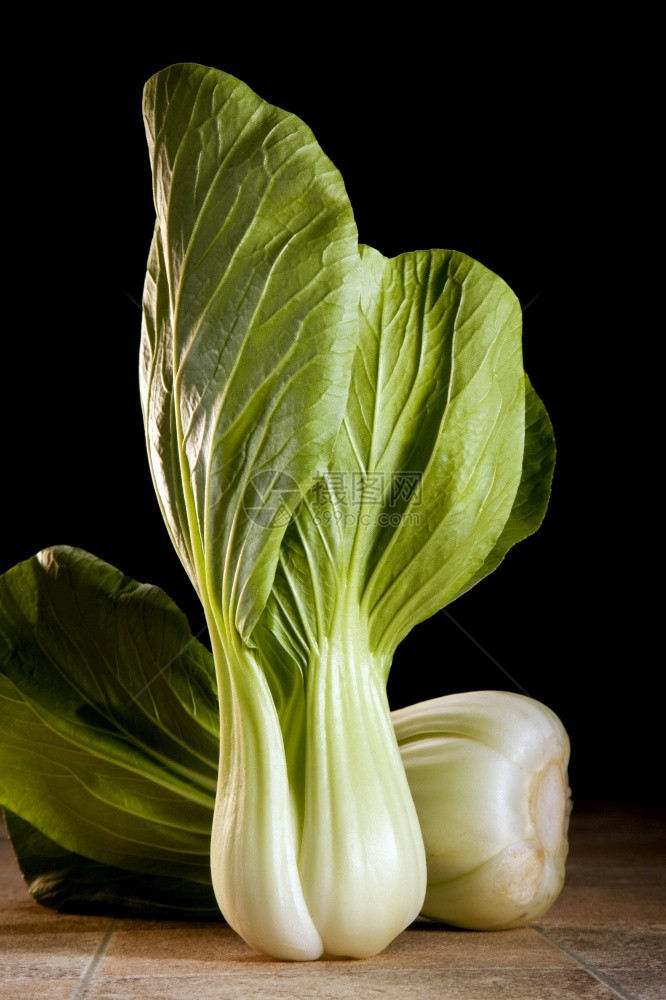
604, 938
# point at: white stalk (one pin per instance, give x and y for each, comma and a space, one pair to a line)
254, 842
362, 860
336, 867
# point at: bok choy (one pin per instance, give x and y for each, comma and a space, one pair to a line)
341, 444
488, 773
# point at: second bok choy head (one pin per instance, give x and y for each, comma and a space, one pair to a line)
341, 444
488, 774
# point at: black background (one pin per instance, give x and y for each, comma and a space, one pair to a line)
441, 142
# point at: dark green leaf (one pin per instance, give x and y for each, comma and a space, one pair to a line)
70, 883
108, 716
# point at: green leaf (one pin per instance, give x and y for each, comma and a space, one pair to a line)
108, 716
427, 465
70, 883
463, 421
250, 320
529, 507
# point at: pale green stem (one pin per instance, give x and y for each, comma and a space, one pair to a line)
254, 843
362, 860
